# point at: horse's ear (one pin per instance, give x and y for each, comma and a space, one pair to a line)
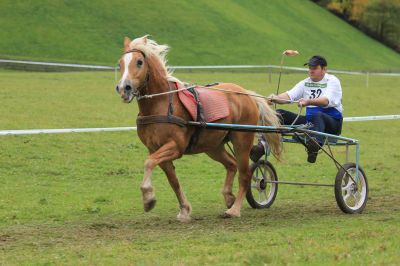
145, 39
127, 41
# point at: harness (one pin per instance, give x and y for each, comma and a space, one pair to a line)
152, 119
169, 118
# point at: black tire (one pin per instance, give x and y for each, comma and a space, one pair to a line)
262, 171
351, 197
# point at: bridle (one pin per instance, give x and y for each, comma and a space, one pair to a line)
153, 119
146, 81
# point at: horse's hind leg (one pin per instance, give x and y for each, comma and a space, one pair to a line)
242, 143
167, 152
184, 205
229, 162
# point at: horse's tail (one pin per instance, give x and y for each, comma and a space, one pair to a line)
268, 117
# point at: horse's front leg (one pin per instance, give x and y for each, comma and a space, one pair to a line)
167, 152
184, 205
149, 198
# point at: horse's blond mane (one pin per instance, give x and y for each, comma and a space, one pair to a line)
152, 49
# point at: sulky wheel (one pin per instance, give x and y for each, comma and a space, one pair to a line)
351, 194
260, 193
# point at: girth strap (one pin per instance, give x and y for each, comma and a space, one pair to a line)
200, 113
200, 118
153, 119
170, 101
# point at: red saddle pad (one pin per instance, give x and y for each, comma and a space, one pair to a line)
214, 103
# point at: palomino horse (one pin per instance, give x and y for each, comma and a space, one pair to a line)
144, 73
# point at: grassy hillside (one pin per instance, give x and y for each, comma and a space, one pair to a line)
199, 32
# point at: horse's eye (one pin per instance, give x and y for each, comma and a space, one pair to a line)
139, 63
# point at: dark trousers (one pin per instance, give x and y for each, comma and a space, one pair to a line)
321, 122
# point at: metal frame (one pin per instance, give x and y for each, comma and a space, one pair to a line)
285, 130
340, 141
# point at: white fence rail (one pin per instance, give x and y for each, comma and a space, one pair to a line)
96, 67
370, 118
110, 129
54, 64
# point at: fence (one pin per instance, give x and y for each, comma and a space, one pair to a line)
111, 129
10, 63
50, 66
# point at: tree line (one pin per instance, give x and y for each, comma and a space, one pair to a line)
379, 19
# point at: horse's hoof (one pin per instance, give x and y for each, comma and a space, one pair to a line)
183, 218
148, 206
184, 214
230, 214
224, 216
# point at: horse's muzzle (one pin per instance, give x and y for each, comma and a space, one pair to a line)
127, 93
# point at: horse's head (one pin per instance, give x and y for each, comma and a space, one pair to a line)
143, 59
134, 72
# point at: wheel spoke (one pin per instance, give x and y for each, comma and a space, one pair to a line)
261, 170
351, 175
261, 196
348, 185
360, 183
357, 196
265, 194
346, 197
268, 176
255, 175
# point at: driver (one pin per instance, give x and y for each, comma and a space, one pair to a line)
321, 93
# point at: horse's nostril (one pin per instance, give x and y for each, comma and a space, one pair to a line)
128, 88
117, 88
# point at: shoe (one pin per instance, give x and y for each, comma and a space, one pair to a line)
257, 151
312, 150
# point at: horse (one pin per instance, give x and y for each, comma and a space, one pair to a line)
162, 129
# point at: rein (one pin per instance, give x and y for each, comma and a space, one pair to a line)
149, 96
144, 85
170, 118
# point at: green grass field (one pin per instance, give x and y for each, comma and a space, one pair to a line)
75, 198
203, 32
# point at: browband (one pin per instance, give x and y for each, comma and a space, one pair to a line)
135, 50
